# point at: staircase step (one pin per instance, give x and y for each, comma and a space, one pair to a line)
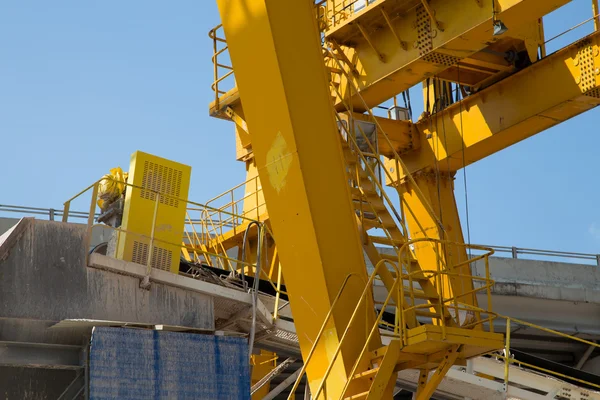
417, 294
373, 223
357, 194
367, 374
377, 206
358, 396
386, 240
428, 314
389, 257
366, 214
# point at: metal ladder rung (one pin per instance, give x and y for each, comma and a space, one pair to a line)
367, 374
429, 314
386, 240
358, 396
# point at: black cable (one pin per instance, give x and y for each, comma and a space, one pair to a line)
464, 165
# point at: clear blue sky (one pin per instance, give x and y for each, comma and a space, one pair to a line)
84, 84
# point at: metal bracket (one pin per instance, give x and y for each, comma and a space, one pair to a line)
426, 390
389, 23
370, 41
235, 117
431, 13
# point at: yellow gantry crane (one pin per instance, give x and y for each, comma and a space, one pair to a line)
308, 76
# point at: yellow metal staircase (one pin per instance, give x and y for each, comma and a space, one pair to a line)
436, 345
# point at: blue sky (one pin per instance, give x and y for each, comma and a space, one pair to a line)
84, 84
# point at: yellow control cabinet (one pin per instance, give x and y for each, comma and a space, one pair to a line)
154, 209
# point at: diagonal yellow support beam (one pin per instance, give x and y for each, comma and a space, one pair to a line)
281, 76
426, 390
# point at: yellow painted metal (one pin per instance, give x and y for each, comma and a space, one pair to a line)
262, 364
507, 353
380, 386
158, 184
427, 390
595, 14
438, 190
489, 121
367, 39
372, 36
291, 153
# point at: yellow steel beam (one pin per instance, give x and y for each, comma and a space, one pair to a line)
438, 190
559, 87
402, 137
262, 364
426, 391
368, 39
281, 76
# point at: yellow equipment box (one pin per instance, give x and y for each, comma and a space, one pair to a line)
158, 186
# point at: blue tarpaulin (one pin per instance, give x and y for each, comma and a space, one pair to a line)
145, 364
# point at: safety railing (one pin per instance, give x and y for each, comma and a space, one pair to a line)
399, 169
336, 12
227, 215
510, 359
447, 300
551, 255
189, 243
235, 206
51, 213
500, 251
198, 246
222, 70
396, 297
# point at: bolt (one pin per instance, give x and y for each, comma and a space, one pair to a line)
597, 71
578, 80
433, 33
416, 44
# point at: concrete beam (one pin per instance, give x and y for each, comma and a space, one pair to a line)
40, 355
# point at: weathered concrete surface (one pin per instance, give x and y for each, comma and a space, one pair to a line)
33, 384
100, 233
44, 277
543, 279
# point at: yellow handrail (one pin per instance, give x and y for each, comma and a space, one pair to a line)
216, 65
399, 326
371, 332
509, 360
319, 334
397, 157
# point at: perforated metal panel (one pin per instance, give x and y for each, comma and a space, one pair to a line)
158, 185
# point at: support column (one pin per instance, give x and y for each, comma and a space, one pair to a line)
276, 55
262, 364
438, 190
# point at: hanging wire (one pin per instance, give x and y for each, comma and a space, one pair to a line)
464, 164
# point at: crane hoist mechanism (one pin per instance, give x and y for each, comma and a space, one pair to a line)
377, 283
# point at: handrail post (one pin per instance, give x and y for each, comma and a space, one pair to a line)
67, 206
507, 355
277, 295
90, 222
595, 13
514, 252
489, 291
216, 68
145, 284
